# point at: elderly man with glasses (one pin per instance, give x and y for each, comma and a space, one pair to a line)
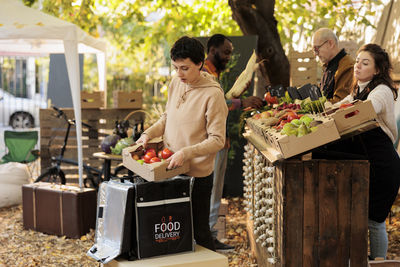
338, 65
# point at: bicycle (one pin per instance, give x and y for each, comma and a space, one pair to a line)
55, 174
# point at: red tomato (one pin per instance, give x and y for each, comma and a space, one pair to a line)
149, 156
166, 153
150, 150
159, 154
270, 99
155, 159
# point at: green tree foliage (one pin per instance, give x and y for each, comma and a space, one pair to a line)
305, 16
140, 32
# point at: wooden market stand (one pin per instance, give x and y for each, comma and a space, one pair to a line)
305, 212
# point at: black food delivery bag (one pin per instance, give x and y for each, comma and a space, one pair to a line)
163, 221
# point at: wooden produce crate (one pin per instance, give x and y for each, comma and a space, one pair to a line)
127, 99
303, 68
307, 213
53, 129
92, 100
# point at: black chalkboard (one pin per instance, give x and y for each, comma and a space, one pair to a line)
277, 90
293, 93
309, 90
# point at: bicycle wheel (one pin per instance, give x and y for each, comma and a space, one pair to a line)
52, 176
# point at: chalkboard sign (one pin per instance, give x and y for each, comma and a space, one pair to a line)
293, 93
277, 90
310, 90
315, 92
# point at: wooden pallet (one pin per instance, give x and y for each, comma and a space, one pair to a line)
199, 258
53, 129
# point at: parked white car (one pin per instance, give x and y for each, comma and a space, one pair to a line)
19, 112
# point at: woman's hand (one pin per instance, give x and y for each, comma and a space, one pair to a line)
176, 160
143, 139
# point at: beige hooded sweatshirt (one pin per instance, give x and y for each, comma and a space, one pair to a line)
194, 122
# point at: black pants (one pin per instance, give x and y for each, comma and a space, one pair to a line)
201, 195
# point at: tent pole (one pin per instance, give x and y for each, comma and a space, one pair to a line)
72, 60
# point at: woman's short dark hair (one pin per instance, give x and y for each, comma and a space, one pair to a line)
383, 66
187, 47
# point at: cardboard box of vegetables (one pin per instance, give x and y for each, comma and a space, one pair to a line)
294, 128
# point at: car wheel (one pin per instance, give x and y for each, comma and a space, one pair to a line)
21, 120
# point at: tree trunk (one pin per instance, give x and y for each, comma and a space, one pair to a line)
256, 17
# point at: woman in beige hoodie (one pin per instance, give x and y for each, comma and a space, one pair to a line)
193, 126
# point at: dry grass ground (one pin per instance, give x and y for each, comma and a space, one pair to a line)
20, 247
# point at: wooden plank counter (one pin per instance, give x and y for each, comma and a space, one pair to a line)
305, 212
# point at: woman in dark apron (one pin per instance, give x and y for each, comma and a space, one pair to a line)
373, 82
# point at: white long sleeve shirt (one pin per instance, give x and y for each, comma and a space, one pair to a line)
382, 101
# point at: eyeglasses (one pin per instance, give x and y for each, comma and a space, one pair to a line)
318, 47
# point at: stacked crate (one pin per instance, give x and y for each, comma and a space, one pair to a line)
303, 68
92, 99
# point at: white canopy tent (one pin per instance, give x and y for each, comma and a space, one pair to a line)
27, 31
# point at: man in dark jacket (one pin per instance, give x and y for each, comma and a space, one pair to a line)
338, 65
219, 52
